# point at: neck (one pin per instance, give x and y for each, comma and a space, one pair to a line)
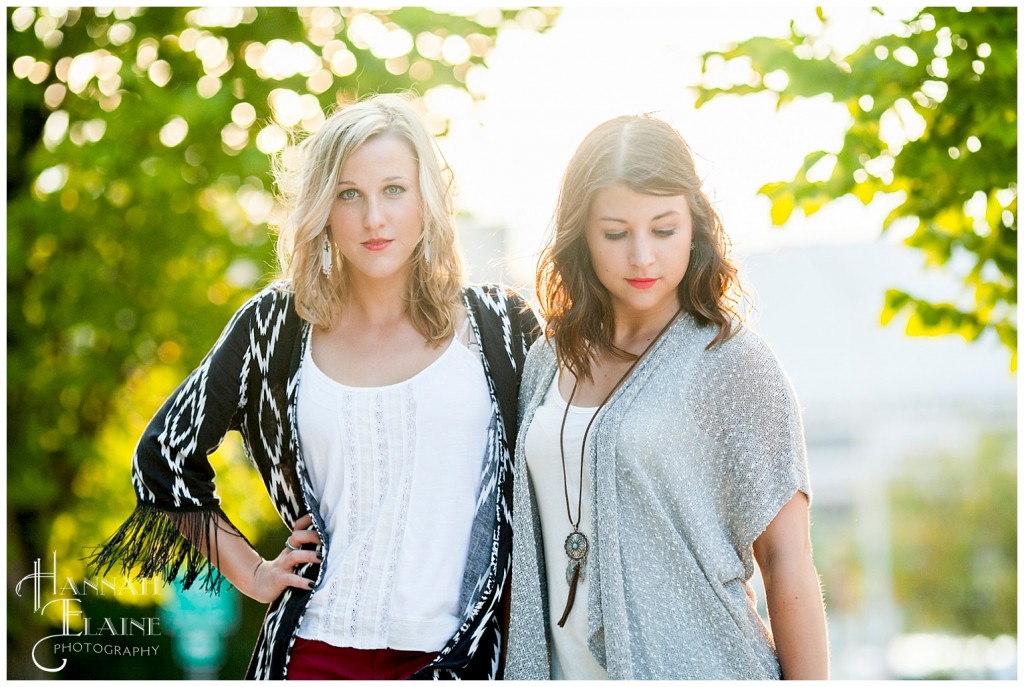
633, 331
377, 304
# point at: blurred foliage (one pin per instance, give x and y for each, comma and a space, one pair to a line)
138, 196
954, 536
933, 117
838, 558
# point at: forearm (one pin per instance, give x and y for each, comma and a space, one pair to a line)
228, 551
797, 616
257, 578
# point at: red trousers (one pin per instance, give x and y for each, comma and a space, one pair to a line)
312, 660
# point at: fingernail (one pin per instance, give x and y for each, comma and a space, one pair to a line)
319, 556
310, 584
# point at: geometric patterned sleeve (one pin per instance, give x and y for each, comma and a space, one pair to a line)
743, 399
171, 472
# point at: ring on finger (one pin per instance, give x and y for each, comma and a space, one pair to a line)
288, 543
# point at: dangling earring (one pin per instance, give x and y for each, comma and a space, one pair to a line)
426, 251
327, 255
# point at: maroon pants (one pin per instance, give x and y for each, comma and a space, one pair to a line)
312, 660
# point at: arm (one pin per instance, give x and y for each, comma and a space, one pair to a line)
247, 570
795, 608
177, 508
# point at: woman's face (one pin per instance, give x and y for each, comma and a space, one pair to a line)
640, 247
376, 217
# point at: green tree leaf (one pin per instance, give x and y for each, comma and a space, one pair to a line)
956, 72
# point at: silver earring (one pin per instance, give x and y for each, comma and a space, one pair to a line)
327, 256
426, 252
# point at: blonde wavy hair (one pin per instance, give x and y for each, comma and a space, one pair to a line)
306, 177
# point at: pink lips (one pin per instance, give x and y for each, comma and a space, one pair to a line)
641, 283
377, 244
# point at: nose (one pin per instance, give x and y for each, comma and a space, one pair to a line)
641, 252
373, 214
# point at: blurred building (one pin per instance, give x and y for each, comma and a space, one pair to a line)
483, 249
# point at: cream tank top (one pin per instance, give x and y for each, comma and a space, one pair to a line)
570, 656
397, 469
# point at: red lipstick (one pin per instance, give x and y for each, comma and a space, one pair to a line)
641, 283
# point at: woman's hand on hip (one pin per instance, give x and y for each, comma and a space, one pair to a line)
271, 578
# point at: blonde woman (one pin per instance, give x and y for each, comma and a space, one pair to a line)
376, 396
661, 454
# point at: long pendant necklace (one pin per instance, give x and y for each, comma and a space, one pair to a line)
577, 546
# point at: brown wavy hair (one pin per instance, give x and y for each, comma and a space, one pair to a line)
306, 177
648, 156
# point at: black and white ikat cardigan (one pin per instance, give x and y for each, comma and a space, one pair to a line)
249, 382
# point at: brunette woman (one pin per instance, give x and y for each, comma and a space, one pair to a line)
661, 452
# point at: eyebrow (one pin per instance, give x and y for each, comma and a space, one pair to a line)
345, 182
663, 215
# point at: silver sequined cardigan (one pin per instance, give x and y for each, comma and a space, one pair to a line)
690, 460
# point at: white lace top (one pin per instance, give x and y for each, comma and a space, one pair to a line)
398, 471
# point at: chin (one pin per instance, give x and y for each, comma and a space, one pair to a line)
649, 302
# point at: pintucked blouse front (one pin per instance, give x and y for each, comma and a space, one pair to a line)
398, 469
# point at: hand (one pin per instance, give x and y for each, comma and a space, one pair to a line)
270, 578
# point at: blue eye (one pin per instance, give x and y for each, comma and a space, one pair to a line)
348, 194
393, 190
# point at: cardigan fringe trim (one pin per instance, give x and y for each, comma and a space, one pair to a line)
154, 542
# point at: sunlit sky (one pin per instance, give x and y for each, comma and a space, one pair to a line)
546, 91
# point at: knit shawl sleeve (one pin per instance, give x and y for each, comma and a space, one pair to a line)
171, 472
747, 404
